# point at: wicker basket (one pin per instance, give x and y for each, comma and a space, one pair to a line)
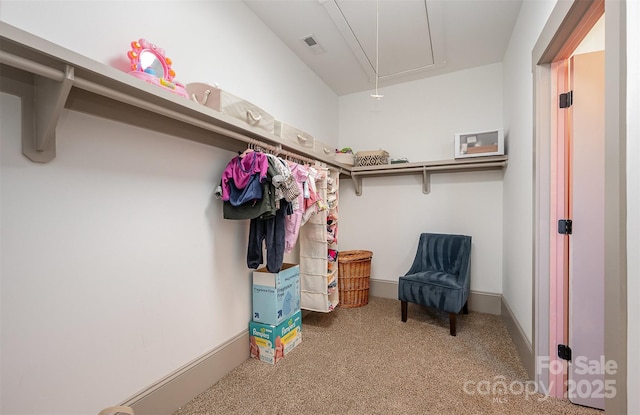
354, 270
372, 158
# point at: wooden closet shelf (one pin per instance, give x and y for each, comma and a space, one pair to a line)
49, 78
426, 168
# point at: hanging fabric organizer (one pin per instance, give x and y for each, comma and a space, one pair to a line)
319, 247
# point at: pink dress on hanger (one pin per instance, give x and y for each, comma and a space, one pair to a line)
294, 221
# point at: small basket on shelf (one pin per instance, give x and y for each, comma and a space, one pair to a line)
372, 158
354, 271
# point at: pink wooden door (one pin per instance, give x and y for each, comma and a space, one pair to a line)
559, 243
585, 384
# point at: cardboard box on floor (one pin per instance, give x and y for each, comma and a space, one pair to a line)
276, 296
270, 343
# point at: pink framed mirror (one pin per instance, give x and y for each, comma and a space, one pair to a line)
148, 62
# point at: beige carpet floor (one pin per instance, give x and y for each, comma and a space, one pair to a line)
366, 361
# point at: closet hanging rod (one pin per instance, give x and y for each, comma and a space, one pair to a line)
278, 150
297, 157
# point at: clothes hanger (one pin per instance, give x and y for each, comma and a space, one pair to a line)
249, 149
244, 153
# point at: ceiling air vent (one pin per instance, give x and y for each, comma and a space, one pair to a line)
313, 44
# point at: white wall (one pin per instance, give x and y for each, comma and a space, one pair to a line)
418, 120
219, 41
518, 179
633, 207
117, 267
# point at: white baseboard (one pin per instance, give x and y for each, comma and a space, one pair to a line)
523, 345
168, 394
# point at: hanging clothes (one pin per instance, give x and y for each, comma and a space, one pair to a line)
252, 191
275, 195
282, 172
258, 208
314, 203
241, 169
271, 230
294, 221
332, 215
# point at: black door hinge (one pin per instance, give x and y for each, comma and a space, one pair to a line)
564, 352
566, 99
565, 226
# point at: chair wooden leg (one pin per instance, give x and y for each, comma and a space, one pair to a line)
452, 323
403, 311
465, 308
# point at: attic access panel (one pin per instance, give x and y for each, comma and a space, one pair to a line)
410, 34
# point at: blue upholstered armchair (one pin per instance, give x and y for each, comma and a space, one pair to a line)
439, 276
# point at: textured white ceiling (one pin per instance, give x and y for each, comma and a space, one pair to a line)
417, 38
